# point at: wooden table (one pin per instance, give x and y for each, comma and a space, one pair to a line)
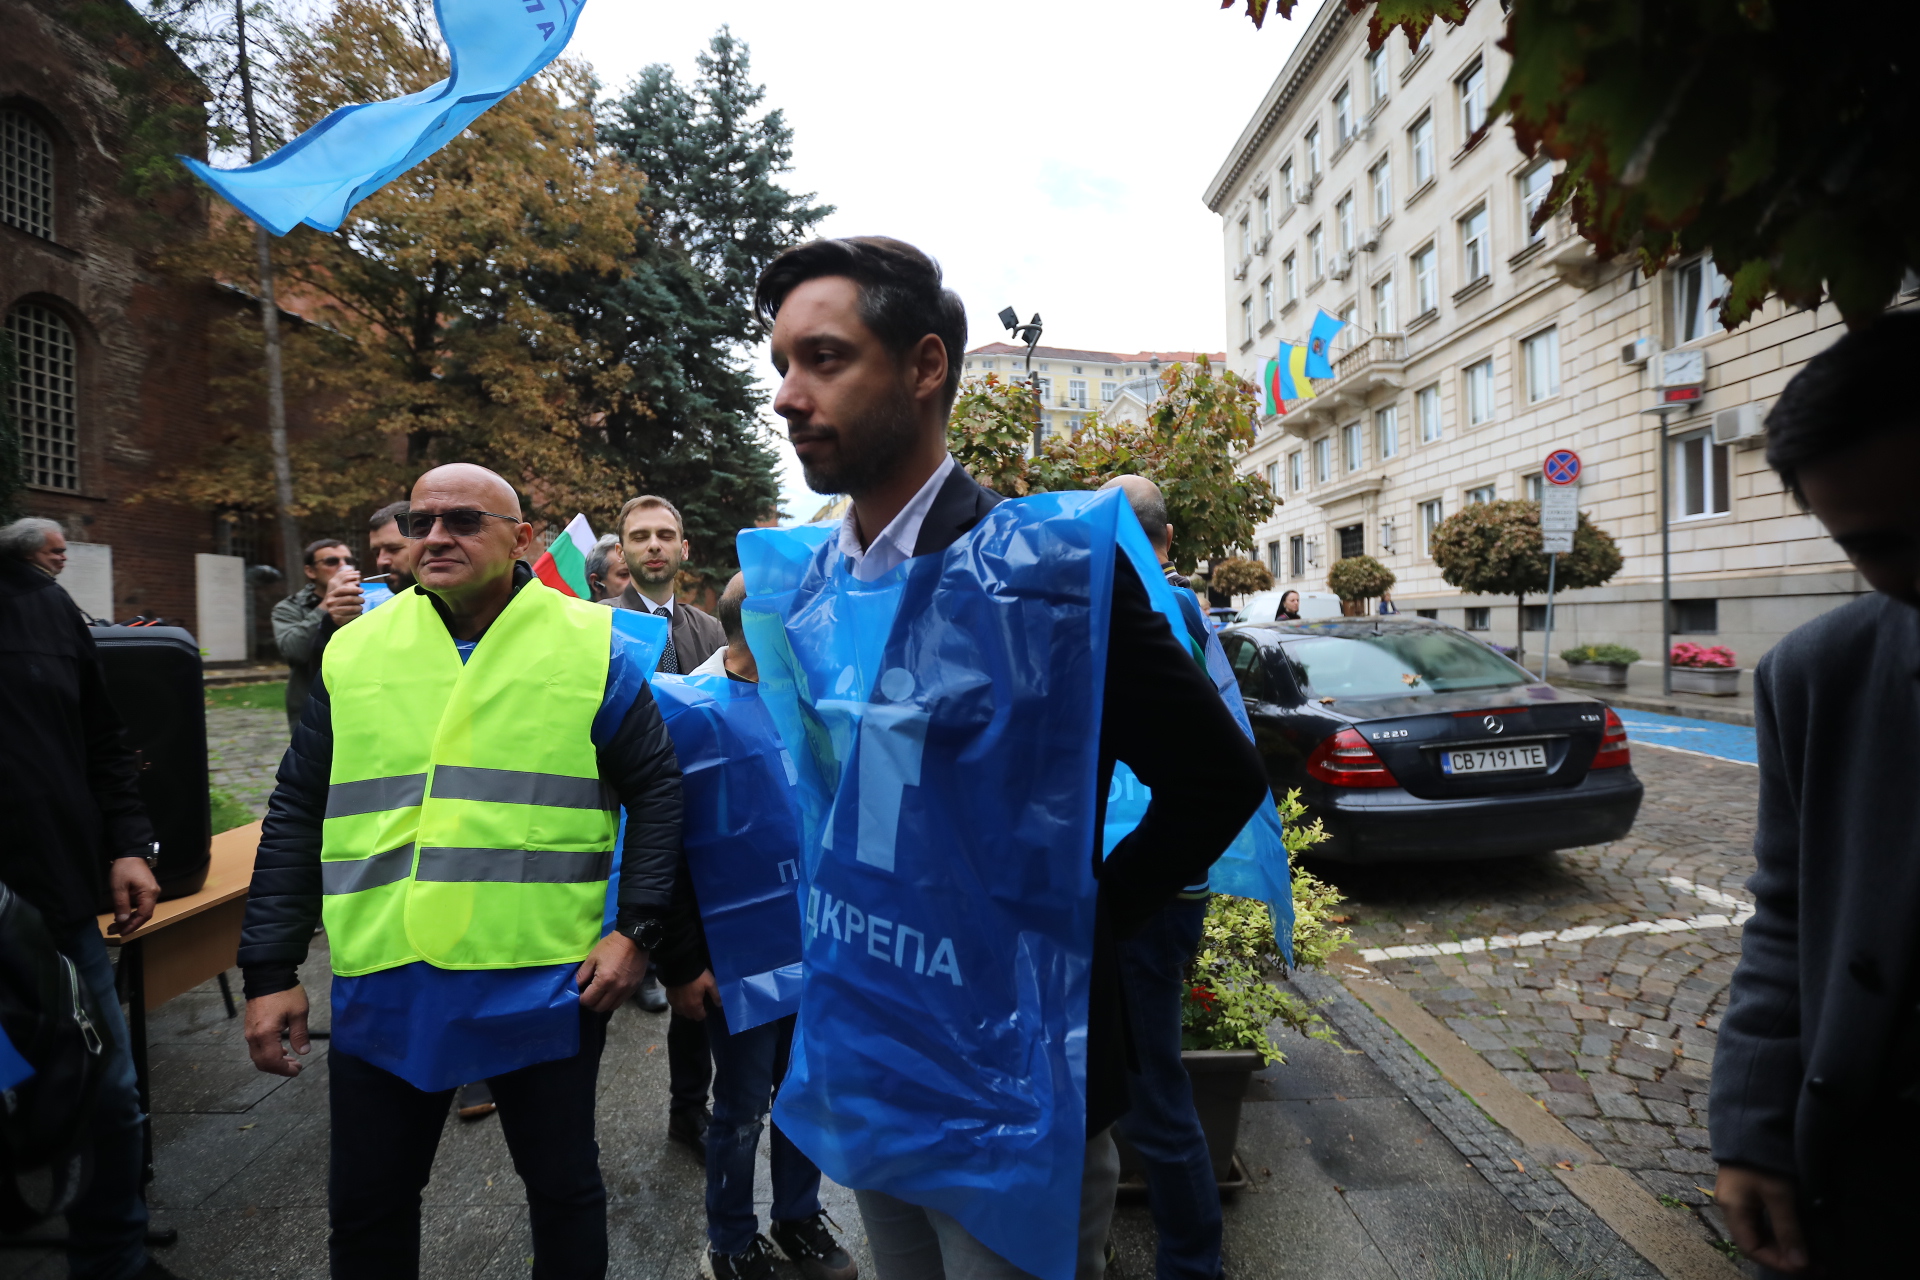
188, 941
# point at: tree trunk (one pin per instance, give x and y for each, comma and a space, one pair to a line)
290, 558
1519, 625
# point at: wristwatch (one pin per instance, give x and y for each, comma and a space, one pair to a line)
148, 853
646, 935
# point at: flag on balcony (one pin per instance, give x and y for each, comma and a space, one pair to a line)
1290, 375
1320, 344
494, 46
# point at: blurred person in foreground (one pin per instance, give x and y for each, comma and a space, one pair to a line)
448, 806
75, 841
1815, 1112
36, 542
305, 621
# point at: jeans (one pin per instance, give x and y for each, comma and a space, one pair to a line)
911, 1242
1162, 1124
747, 1070
689, 1064
385, 1133
107, 1222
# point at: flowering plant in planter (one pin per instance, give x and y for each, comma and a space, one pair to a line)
1229, 1002
1713, 658
1615, 655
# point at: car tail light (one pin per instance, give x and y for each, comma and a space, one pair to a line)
1613, 745
1345, 760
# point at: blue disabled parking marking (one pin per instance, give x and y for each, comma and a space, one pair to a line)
1702, 737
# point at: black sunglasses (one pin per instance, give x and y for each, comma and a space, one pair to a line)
462, 522
334, 562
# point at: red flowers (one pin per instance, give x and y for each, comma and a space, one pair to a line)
1204, 997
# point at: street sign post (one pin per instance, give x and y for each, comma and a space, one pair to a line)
1559, 517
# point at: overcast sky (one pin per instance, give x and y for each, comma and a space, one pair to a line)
1051, 154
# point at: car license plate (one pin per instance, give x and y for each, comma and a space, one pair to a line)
1494, 759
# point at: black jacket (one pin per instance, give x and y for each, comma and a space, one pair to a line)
1818, 1052
69, 786
283, 904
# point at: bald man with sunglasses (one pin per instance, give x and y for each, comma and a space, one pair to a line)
449, 806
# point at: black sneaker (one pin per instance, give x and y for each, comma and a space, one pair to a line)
808, 1244
650, 995
473, 1101
688, 1126
755, 1264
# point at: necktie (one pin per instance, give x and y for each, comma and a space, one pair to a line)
669, 657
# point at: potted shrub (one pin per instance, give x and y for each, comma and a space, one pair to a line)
1230, 1009
1239, 577
1707, 669
1356, 580
1601, 664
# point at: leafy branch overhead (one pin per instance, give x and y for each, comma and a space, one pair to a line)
1775, 134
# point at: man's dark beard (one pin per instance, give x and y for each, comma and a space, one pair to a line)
871, 448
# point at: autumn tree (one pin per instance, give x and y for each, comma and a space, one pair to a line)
1494, 548
1774, 133
1202, 421
1359, 578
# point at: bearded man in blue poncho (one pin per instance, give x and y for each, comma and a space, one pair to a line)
955, 677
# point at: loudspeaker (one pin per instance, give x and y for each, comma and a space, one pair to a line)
154, 681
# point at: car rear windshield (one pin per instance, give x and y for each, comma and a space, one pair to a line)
1396, 664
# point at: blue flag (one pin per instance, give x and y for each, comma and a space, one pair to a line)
495, 47
1320, 344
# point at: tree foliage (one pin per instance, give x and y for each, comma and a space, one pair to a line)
1359, 578
1770, 132
1201, 423
1239, 576
1493, 548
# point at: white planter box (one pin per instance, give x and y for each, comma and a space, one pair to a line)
1715, 682
1608, 675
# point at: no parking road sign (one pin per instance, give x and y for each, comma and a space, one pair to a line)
1562, 467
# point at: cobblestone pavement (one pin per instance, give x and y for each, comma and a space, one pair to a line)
244, 747
1614, 1034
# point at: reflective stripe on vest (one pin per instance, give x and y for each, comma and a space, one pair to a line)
466, 823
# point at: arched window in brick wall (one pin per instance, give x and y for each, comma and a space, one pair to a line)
26, 174
44, 396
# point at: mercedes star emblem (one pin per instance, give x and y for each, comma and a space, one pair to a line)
1494, 724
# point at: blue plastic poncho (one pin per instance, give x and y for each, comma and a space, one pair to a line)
944, 721
742, 837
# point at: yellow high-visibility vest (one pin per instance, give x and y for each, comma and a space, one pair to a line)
466, 823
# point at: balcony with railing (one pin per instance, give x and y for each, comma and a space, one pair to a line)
1362, 364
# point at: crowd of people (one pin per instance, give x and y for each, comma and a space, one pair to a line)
846, 835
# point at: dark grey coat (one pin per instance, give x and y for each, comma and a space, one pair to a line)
1815, 1043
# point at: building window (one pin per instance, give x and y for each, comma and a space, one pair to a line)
1382, 177
1323, 460
1386, 431
26, 174
1433, 614
1077, 392
1349, 318
1297, 555
1420, 138
1313, 154
1534, 184
44, 397
1286, 183
1273, 558
1350, 453
1480, 618
1534, 485
1108, 390
1273, 476
1479, 378
1296, 470
1426, 408
1533, 617
1046, 390
1046, 425
1316, 255
1290, 271
1698, 291
1430, 517
1696, 617
1246, 319
1246, 238
1266, 300
1353, 540
1266, 213
1700, 477
1343, 115
1475, 259
1542, 352
1481, 493
1473, 100
1377, 77
1426, 279
1343, 218
1385, 318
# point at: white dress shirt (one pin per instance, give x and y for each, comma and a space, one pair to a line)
894, 545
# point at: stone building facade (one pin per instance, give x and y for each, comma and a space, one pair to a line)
1477, 346
1076, 385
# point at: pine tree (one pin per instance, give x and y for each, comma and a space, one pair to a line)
713, 214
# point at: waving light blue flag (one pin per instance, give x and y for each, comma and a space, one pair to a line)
1320, 345
495, 46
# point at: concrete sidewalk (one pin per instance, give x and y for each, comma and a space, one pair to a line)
1350, 1177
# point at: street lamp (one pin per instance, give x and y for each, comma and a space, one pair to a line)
1682, 374
1028, 333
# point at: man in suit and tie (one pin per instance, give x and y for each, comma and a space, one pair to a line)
653, 539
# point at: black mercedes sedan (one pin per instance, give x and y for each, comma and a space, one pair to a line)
1410, 739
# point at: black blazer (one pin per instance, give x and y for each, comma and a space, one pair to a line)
697, 634
1818, 1051
1163, 717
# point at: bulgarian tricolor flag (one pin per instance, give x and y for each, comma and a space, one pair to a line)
563, 566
